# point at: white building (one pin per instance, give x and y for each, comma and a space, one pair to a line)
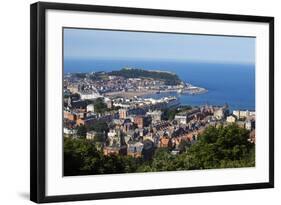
236, 113
252, 113
231, 119
89, 95
108, 102
73, 88
155, 115
243, 113
249, 125
114, 137
69, 132
182, 119
90, 108
122, 105
91, 135
111, 133
219, 114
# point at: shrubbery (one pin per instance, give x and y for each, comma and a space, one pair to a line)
222, 147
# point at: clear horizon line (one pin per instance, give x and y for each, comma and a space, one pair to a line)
156, 59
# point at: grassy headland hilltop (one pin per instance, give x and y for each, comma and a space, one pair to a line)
109, 129
130, 82
138, 102
168, 77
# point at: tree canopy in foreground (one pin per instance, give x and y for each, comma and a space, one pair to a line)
222, 147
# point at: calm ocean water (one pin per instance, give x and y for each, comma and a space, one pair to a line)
233, 84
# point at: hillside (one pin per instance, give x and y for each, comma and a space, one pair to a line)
169, 78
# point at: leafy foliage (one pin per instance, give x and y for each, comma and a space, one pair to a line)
100, 126
80, 75
184, 145
82, 131
169, 113
169, 78
222, 147
100, 106
81, 157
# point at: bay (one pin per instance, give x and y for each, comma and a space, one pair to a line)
233, 84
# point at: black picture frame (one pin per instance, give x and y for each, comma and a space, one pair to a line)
38, 100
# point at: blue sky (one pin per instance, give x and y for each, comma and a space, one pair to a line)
91, 43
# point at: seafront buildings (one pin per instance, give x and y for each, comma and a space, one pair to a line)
136, 125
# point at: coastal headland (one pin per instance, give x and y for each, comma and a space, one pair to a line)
121, 118
130, 82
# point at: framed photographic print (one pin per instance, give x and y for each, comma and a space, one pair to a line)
129, 102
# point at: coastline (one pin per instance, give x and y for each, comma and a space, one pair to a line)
130, 93
140, 93
236, 87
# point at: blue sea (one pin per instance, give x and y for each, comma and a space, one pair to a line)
233, 84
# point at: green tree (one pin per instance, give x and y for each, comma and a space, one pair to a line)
82, 131
223, 146
100, 137
100, 106
169, 113
102, 128
99, 126
184, 145
168, 78
80, 157
72, 160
